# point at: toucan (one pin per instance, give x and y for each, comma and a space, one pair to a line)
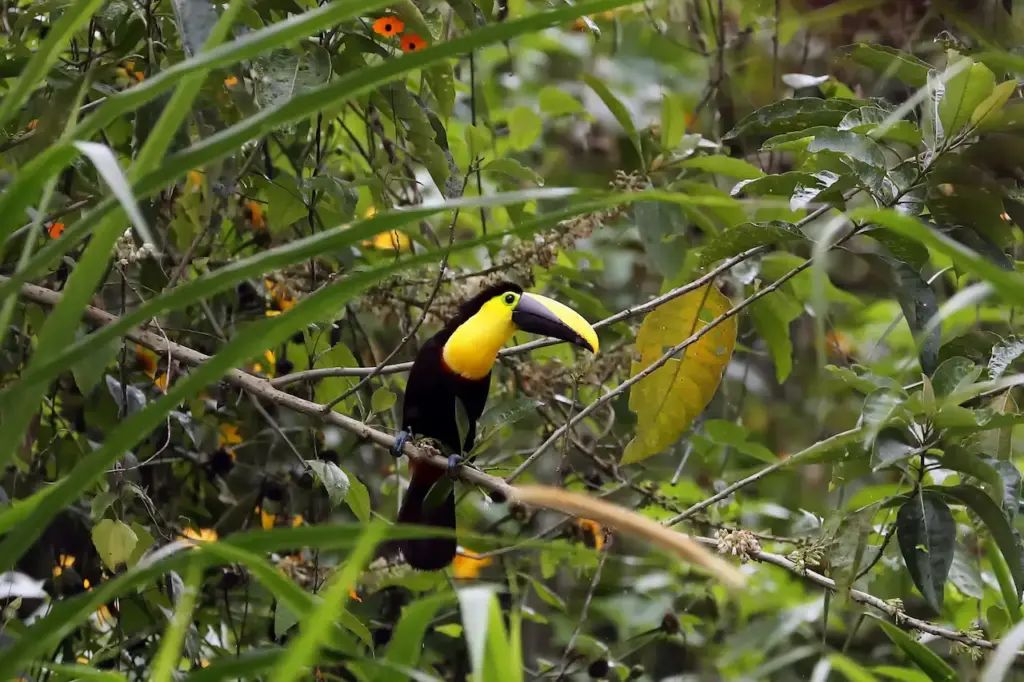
453, 366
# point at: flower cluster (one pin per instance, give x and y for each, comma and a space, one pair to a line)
127, 253
390, 26
741, 543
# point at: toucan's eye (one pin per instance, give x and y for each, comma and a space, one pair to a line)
510, 299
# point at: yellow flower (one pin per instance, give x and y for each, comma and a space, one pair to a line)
201, 535
267, 520
161, 381
231, 81
195, 179
468, 565
228, 435
594, 529
390, 241
63, 561
297, 520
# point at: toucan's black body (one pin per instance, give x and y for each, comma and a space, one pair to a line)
454, 366
429, 411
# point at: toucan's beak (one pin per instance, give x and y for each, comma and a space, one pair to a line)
547, 317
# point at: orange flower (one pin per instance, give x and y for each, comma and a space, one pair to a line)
468, 565
254, 214
33, 123
839, 342
592, 528
55, 230
146, 360
231, 81
413, 43
195, 180
355, 597
271, 363
388, 26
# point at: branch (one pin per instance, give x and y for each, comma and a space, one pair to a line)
314, 374
898, 616
534, 495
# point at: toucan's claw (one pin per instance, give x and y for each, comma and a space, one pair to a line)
454, 464
400, 440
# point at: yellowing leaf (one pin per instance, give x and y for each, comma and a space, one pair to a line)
667, 401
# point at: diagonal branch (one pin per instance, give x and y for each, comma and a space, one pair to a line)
263, 390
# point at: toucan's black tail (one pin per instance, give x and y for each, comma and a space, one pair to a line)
427, 554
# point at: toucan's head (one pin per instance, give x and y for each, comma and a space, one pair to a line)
487, 321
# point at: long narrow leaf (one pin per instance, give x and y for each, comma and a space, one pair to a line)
72, 19
165, 663
294, 252
315, 629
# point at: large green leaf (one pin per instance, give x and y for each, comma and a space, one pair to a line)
889, 62
964, 92
991, 515
747, 236
791, 115
926, 659
927, 538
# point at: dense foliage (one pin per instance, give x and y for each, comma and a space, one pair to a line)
228, 227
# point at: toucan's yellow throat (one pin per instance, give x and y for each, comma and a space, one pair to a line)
473, 346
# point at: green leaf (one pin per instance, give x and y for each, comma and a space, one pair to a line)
661, 227
794, 141
358, 498
1005, 580
1009, 284
45, 56
167, 657
919, 305
114, 541
771, 318
617, 108
955, 374
790, 115
673, 120
335, 481
556, 102
406, 642
524, 127
992, 516
994, 103
964, 93
513, 169
724, 165
736, 240
889, 62
926, 659
927, 538
850, 670
315, 628
382, 400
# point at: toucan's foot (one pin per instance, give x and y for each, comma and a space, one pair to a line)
400, 440
454, 464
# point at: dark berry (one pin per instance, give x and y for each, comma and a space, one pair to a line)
381, 636
283, 366
221, 462
598, 669
670, 623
